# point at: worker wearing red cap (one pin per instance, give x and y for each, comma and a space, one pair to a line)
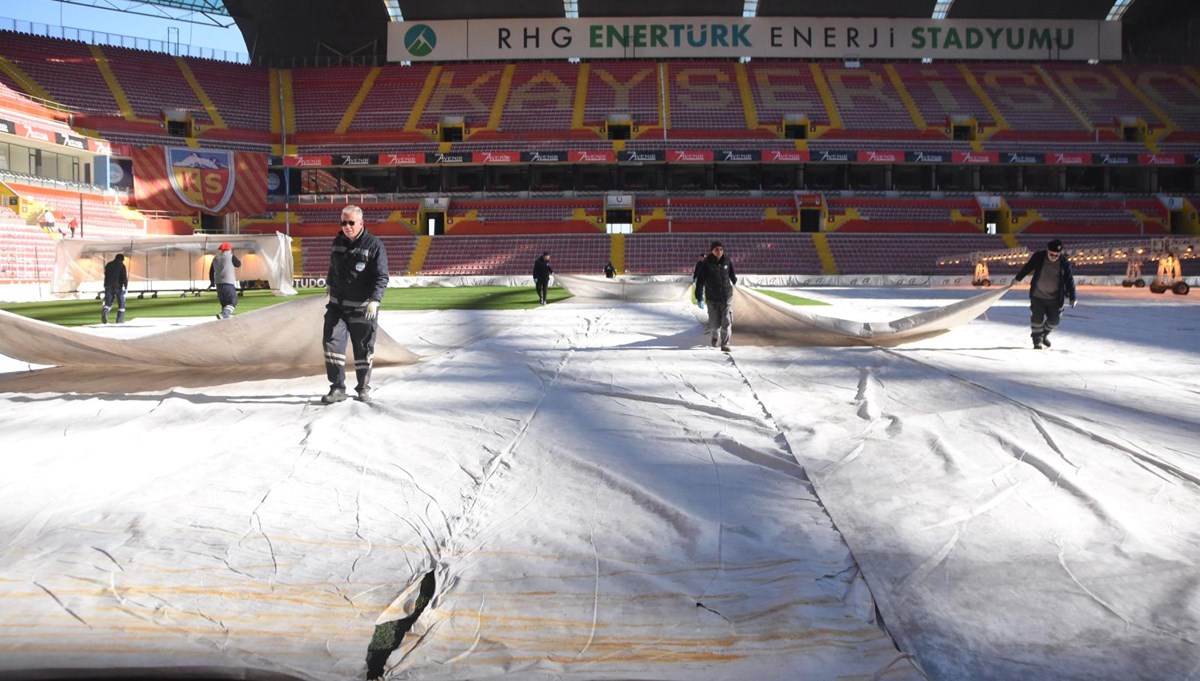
223, 275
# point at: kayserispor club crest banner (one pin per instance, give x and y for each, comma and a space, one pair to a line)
214, 181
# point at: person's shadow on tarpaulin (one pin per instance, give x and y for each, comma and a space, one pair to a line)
120, 380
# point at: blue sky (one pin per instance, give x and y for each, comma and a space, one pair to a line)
55, 13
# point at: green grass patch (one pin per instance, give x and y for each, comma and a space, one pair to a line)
468, 298
87, 311
789, 298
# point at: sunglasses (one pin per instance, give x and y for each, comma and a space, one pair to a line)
347, 223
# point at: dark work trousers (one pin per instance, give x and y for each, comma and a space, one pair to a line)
542, 285
1044, 315
342, 321
227, 296
720, 320
110, 294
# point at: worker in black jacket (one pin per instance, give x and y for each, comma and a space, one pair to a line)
1051, 286
714, 281
356, 282
541, 276
116, 283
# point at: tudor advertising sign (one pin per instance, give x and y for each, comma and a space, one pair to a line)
201, 178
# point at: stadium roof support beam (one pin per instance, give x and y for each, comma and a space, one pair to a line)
201, 12
393, 10
1118, 10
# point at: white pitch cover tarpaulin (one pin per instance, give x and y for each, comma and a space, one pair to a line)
158, 263
629, 288
599, 495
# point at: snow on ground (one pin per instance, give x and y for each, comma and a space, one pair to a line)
599, 496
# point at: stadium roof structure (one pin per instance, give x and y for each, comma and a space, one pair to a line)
205, 12
307, 28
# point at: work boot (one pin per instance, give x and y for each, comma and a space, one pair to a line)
120, 316
1037, 342
335, 395
104, 315
364, 395
1046, 339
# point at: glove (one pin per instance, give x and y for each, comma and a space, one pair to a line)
372, 311
1072, 302
700, 303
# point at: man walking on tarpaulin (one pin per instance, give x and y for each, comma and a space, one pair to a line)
357, 280
541, 276
223, 275
1052, 284
714, 281
116, 283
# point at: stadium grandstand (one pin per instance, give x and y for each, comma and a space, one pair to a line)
600, 490
847, 162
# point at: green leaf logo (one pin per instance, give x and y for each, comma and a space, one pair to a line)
420, 40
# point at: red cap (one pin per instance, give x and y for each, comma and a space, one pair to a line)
225, 247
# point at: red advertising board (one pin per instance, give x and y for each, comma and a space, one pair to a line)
1068, 158
408, 158
591, 156
689, 156
310, 161
34, 133
496, 157
1160, 159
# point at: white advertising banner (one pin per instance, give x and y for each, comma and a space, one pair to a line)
770, 37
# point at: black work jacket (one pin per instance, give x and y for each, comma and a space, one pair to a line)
1066, 279
715, 278
115, 275
358, 270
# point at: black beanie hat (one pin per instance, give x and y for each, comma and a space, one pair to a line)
1055, 246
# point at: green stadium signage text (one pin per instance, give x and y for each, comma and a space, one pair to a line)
773, 37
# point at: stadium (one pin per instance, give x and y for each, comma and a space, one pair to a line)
881, 480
